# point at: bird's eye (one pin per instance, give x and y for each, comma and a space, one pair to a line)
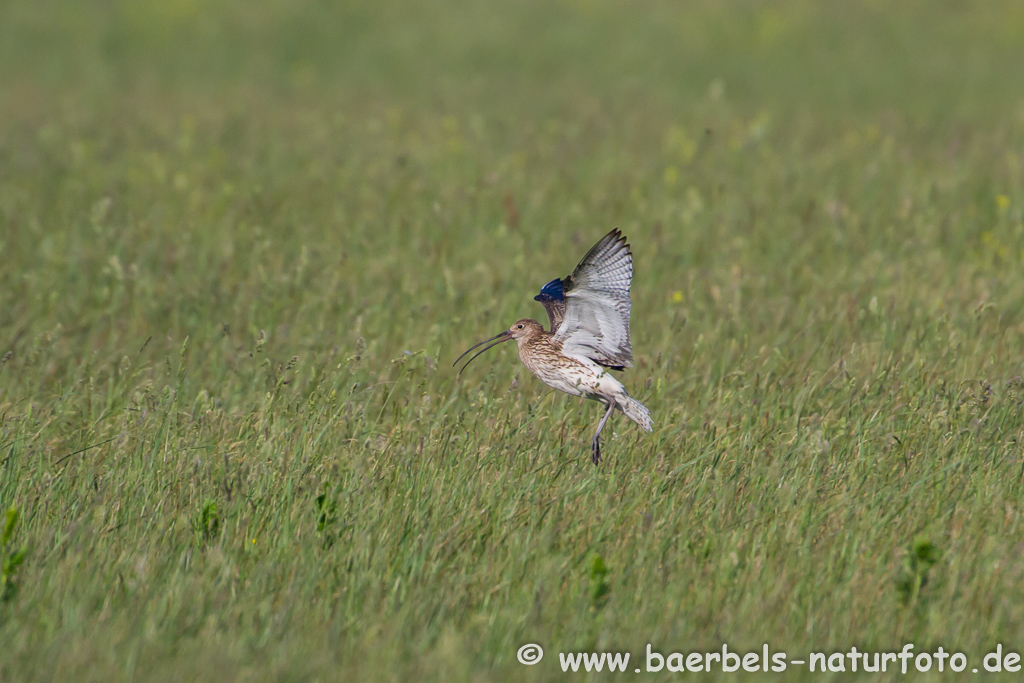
519, 327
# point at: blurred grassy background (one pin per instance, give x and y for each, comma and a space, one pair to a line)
241, 244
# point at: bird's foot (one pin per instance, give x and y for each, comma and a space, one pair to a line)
595, 450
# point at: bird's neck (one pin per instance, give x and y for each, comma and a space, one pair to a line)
539, 342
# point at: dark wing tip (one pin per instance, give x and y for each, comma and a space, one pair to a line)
619, 237
552, 291
610, 243
615, 237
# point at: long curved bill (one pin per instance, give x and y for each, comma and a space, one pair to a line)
497, 339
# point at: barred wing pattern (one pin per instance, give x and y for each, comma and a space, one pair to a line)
597, 304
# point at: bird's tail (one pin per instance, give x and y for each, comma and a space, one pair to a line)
635, 411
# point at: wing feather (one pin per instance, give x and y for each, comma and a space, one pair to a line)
597, 304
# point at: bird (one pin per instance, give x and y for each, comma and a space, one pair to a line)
588, 313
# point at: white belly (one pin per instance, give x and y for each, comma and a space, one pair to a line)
576, 375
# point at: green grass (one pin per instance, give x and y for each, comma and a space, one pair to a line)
241, 246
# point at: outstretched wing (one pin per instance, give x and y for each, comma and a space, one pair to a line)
596, 323
552, 295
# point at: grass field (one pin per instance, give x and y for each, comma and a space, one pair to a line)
241, 244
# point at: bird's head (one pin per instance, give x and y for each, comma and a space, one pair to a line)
524, 329
521, 330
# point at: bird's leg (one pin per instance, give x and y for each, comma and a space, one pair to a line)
595, 445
